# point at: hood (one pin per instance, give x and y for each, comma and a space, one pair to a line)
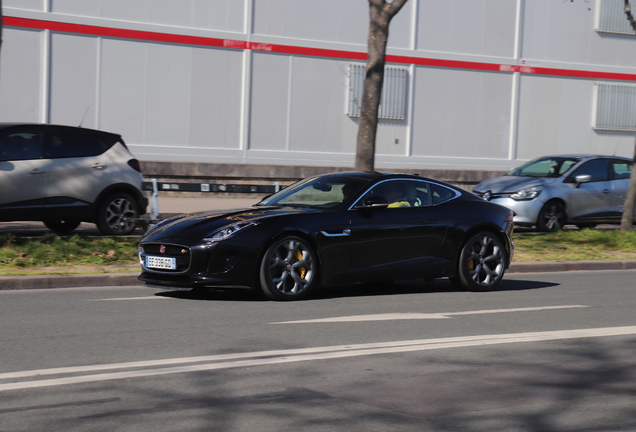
197, 225
509, 184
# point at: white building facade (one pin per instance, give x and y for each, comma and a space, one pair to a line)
471, 84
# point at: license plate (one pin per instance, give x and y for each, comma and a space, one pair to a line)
161, 262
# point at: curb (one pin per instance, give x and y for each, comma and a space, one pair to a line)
130, 279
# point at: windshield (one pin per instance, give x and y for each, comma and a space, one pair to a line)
544, 167
320, 192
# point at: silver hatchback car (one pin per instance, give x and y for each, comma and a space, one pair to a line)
63, 175
551, 191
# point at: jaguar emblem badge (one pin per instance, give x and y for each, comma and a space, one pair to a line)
162, 249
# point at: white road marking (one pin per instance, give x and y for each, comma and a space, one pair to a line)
227, 361
416, 316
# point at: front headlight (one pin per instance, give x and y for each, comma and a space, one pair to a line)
527, 193
227, 231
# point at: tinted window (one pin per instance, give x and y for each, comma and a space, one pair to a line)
441, 194
20, 144
621, 169
68, 143
597, 169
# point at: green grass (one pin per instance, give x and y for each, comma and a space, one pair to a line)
18, 254
53, 254
586, 244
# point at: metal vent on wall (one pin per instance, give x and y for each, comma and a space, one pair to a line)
615, 107
393, 101
612, 18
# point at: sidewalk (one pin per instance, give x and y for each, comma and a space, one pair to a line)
169, 206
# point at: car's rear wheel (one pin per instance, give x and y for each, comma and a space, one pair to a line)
482, 263
289, 269
62, 226
552, 217
116, 213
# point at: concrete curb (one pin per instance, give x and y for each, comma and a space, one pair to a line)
69, 281
560, 266
130, 279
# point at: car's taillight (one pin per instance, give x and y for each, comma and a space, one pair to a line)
134, 164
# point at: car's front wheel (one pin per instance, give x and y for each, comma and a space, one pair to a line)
552, 217
481, 264
116, 213
62, 226
289, 269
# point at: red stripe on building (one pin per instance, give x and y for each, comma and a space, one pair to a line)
299, 50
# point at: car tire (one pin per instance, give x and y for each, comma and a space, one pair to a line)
115, 214
552, 217
62, 226
289, 269
481, 263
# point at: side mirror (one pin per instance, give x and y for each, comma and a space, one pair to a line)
582, 179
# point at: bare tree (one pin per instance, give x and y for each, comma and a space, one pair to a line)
630, 198
381, 12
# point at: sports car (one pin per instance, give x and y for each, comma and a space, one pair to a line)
335, 229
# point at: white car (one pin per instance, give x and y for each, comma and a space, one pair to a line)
551, 191
63, 175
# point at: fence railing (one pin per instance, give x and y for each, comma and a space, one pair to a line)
157, 186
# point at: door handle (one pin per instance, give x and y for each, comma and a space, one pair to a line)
37, 171
99, 166
344, 233
606, 191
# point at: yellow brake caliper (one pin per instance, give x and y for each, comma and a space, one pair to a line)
302, 271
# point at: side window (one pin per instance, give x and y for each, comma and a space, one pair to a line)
596, 168
20, 144
621, 169
440, 194
67, 143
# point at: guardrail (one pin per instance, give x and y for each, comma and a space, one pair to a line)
157, 186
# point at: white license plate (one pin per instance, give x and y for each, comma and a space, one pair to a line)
161, 262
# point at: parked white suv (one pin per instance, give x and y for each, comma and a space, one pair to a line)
63, 175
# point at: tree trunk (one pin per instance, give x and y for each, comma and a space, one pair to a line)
630, 198
381, 14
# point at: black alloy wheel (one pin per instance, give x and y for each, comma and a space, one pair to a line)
552, 217
62, 226
116, 213
482, 263
289, 269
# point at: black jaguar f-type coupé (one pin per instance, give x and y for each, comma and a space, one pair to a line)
335, 229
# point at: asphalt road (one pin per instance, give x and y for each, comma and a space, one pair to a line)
545, 352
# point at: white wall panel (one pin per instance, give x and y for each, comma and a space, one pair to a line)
564, 32
21, 71
168, 90
317, 106
556, 117
123, 89
215, 107
37, 5
461, 113
73, 84
269, 114
324, 20
485, 27
226, 15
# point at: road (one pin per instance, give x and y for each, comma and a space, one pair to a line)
546, 352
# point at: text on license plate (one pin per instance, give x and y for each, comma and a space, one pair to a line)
161, 262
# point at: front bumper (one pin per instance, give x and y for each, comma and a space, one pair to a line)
526, 212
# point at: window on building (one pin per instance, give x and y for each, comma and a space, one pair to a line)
393, 101
615, 107
612, 18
